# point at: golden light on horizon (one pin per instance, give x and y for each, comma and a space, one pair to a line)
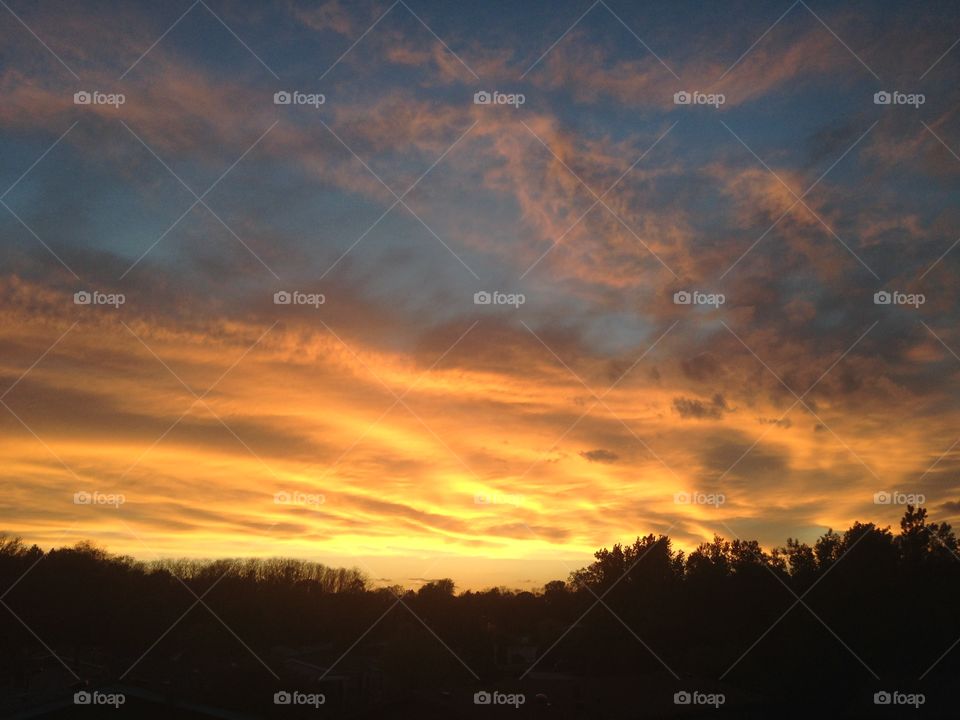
490, 465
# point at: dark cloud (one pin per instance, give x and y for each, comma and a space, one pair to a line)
692, 408
730, 452
55, 410
951, 506
779, 422
600, 456
701, 367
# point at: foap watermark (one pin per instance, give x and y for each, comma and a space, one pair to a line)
898, 498
295, 97
295, 297
695, 697
95, 297
295, 497
498, 499
895, 97
96, 697
695, 297
295, 697
699, 498
499, 298
885, 297
682, 97
895, 697
98, 498
95, 97
482, 97
484, 697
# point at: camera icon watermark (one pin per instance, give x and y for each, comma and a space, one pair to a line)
683, 97
83, 497
83, 697
895, 697
696, 497
95, 97
483, 97
295, 97
885, 297
95, 297
484, 697
898, 498
496, 297
695, 697
895, 97
695, 297
295, 297
295, 497
295, 697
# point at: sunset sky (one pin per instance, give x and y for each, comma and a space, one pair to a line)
384, 412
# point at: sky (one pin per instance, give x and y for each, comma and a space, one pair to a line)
388, 417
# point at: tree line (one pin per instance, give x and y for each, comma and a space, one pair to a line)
857, 609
